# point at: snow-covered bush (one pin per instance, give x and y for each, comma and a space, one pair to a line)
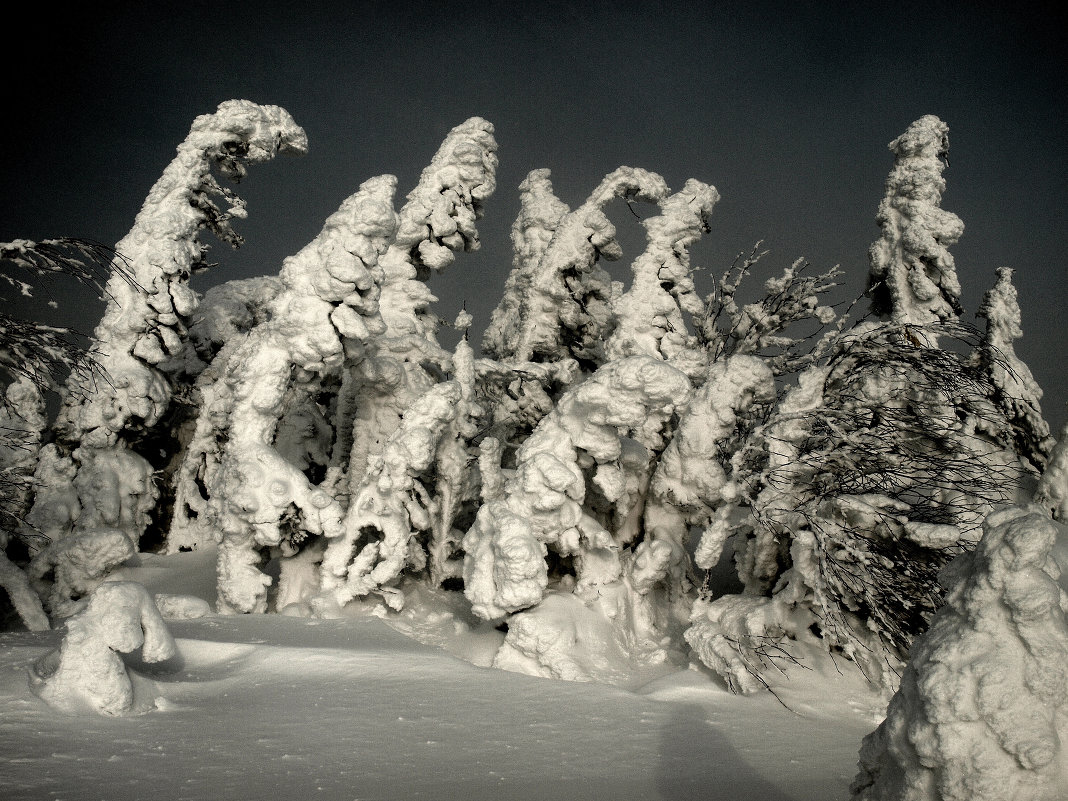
86, 672
982, 708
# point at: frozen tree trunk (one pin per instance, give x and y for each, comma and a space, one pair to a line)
145, 320
982, 708
87, 670
1016, 393
913, 280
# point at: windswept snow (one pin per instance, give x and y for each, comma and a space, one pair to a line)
271, 706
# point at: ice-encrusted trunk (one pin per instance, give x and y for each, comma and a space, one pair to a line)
103, 482
912, 278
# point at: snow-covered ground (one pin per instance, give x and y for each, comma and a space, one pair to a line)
378, 706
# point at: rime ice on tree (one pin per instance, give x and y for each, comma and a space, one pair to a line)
1016, 393
144, 326
980, 714
913, 279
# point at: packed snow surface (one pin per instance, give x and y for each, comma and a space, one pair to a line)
272, 706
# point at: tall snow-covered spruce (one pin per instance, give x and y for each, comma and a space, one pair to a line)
98, 477
913, 278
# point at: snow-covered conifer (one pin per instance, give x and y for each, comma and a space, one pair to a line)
565, 309
1016, 393
145, 320
982, 708
1052, 491
330, 292
913, 279
577, 481
540, 212
648, 317
437, 220
86, 670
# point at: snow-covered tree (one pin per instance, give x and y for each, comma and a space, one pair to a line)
981, 711
86, 670
256, 497
648, 317
145, 322
560, 306
270, 465
913, 279
1016, 393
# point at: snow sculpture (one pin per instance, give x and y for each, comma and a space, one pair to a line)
648, 316
913, 280
981, 711
145, 320
86, 670
1016, 393
597, 443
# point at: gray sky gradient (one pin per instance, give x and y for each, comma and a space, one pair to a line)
786, 108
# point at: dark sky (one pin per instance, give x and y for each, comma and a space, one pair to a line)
786, 108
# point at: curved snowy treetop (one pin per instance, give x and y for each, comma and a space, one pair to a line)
913, 275
440, 214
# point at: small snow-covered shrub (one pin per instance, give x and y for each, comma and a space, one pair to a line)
982, 711
87, 671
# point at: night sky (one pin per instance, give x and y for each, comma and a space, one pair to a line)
786, 108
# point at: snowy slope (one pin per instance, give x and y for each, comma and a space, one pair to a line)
277, 707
